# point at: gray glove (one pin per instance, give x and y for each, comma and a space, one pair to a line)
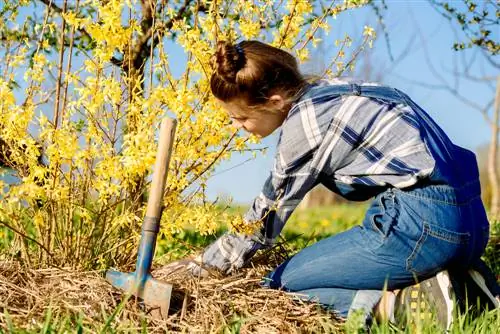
230, 252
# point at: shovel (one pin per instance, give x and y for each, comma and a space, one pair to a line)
154, 293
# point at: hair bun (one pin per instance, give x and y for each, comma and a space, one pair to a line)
229, 59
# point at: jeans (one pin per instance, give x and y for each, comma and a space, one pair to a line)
405, 237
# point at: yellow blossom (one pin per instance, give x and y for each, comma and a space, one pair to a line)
249, 29
302, 54
87, 162
369, 31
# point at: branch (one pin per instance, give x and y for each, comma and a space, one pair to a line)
59, 11
490, 60
141, 50
482, 109
378, 14
207, 167
26, 237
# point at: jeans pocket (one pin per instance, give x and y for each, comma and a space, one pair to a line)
383, 220
435, 248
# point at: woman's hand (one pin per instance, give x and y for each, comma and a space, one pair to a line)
230, 252
227, 254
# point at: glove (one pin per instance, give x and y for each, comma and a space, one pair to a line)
230, 252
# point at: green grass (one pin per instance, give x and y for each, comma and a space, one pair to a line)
486, 323
303, 228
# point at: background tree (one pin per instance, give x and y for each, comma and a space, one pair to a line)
477, 19
83, 85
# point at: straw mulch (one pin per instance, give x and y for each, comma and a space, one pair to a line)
199, 305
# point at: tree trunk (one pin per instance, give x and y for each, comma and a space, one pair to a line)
493, 158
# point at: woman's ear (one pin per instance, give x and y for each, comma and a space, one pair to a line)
276, 102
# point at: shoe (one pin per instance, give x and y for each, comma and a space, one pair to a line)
476, 289
492, 301
432, 299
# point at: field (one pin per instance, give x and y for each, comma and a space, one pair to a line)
59, 300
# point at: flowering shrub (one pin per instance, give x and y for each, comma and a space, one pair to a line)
82, 90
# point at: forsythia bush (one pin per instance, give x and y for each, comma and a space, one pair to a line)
83, 87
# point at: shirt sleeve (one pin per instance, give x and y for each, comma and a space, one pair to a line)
283, 190
281, 194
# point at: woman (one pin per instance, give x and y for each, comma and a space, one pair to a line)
426, 220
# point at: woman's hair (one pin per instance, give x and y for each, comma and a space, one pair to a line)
254, 71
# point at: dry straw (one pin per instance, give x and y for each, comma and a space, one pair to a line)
215, 304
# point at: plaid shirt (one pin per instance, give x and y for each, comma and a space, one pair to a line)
354, 145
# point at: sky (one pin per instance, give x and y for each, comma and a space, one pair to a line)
420, 41
430, 36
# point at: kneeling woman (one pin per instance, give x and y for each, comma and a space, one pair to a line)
361, 141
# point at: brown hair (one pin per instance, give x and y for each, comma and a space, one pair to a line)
253, 71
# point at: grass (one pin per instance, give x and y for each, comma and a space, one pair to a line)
305, 227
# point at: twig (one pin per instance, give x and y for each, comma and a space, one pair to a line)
27, 237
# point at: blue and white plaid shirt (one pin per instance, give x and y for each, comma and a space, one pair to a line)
354, 145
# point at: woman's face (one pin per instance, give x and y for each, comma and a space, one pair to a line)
258, 121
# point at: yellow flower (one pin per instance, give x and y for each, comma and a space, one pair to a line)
302, 54
98, 157
249, 29
324, 223
369, 31
239, 225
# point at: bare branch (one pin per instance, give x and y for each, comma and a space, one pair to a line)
140, 52
482, 109
13, 229
491, 61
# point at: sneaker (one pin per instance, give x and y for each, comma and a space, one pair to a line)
492, 301
476, 289
429, 300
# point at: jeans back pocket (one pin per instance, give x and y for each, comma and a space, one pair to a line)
435, 248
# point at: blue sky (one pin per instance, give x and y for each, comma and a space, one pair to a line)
432, 38
408, 22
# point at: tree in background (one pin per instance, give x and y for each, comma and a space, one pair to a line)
478, 20
83, 85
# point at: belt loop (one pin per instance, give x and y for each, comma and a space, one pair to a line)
355, 89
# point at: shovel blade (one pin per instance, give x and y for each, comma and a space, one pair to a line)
123, 281
155, 294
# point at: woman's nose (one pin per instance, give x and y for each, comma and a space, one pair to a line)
237, 124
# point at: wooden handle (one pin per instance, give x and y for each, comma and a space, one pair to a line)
165, 143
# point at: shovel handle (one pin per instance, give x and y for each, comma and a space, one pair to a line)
151, 223
165, 143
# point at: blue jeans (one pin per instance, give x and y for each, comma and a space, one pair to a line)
406, 236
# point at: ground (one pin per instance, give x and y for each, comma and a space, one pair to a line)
67, 300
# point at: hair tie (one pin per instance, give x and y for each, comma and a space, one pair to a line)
239, 50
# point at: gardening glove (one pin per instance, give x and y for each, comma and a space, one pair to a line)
229, 252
